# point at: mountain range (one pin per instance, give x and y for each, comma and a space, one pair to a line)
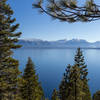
73, 43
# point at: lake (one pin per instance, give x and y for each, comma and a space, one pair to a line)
50, 65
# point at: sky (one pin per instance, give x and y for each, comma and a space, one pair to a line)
41, 26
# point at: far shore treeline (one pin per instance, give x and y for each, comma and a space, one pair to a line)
17, 86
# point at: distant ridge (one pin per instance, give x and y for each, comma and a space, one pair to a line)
73, 43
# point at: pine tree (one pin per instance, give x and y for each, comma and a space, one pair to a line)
30, 88
79, 61
72, 85
55, 95
73, 77
64, 86
8, 66
96, 96
76, 84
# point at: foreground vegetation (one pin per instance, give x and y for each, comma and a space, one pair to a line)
17, 86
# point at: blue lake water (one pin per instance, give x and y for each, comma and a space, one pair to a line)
50, 65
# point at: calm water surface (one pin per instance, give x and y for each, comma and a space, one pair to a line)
50, 65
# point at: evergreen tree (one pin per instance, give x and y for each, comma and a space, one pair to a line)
72, 85
30, 88
73, 77
55, 95
8, 66
64, 86
76, 84
79, 61
96, 96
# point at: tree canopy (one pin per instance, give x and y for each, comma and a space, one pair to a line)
74, 85
29, 87
9, 70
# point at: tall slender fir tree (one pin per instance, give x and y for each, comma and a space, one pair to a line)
64, 86
79, 61
65, 91
75, 84
30, 88
72, 85
8, 66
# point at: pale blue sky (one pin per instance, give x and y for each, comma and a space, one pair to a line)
35, 25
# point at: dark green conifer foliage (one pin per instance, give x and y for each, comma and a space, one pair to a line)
75, 84
8, 66
55, 95
96, 96
79, 61
64, 86
71, 86
75, 80
30, 88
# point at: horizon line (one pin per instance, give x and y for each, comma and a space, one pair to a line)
57, 39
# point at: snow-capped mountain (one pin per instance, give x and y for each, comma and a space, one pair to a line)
74, 43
